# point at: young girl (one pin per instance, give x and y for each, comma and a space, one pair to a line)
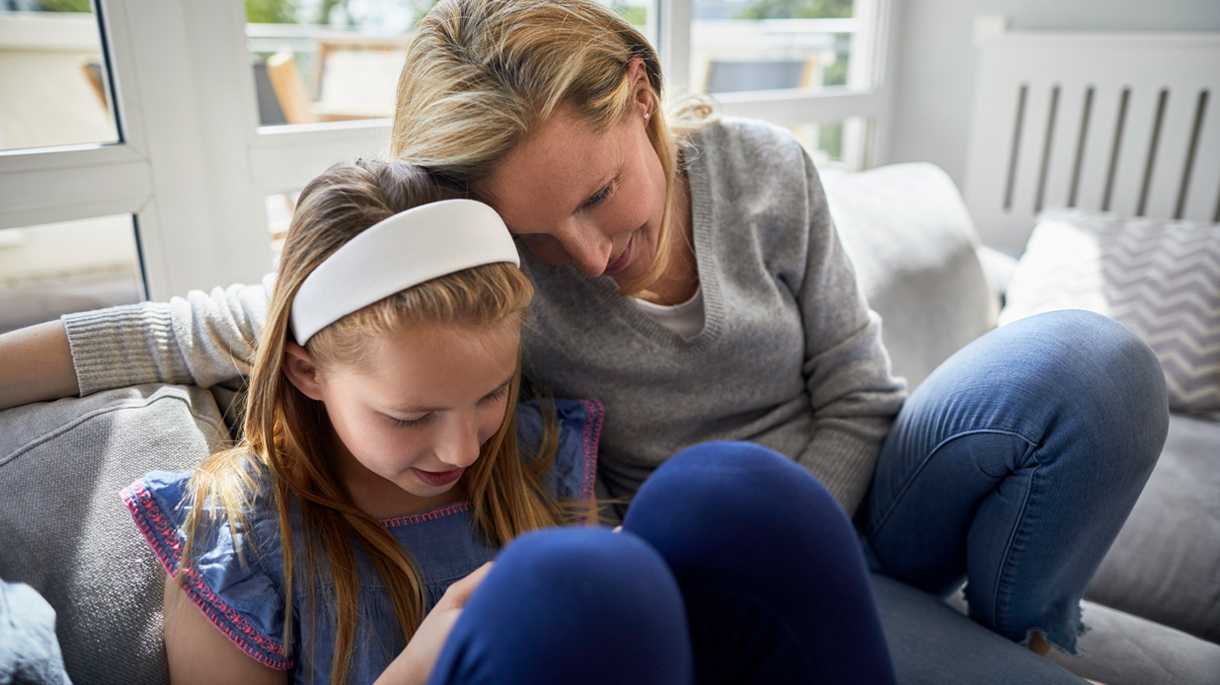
384, 388
381, 463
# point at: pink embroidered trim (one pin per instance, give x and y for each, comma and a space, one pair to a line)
163, 539
399, 521
590, 437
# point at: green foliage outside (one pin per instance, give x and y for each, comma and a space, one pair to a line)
636, 15
336, 13
271, 12
85, 6
797, 9
830, 141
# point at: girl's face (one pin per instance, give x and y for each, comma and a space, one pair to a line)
571, 193
412, 415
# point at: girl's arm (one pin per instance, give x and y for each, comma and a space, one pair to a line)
414, 665
199, 653
36, 365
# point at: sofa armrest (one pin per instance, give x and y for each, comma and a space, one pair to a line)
66, 533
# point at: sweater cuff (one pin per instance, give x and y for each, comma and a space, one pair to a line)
121, 346
845, 462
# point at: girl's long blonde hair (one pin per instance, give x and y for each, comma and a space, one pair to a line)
480, 75
286, 433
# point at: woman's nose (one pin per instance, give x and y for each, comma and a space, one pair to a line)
587, 246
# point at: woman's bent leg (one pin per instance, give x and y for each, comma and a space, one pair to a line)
771, 570
1015, 465
575, 605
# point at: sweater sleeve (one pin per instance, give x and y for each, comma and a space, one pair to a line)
203, 339
847, 370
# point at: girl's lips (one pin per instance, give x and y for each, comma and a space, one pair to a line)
437, 479
623, 258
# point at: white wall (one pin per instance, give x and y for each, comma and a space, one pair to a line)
935, 79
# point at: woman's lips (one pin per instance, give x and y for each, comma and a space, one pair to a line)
437, 479
620, 263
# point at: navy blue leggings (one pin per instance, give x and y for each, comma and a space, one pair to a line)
735, 565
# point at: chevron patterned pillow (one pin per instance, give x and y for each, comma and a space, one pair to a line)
1160, 278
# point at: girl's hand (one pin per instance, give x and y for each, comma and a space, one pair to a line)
415, 663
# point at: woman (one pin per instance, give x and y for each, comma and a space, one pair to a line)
728, 310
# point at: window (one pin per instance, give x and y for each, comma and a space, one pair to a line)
814, 66
53, 76
186, 145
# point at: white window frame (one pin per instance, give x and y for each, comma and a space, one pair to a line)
868, 93
194, 167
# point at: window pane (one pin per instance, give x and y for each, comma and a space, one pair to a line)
830, 144
335, 60
66, 267
642, 14
279, 216
744, 45
328, 60
53, 77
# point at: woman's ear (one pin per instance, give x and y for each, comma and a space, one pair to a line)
301, 371
641, 87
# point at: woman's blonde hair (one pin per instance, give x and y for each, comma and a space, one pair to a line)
286, 434
480, 75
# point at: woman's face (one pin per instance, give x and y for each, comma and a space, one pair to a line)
571, 193
414, 413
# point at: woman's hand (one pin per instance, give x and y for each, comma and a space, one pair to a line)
36, 365
415, 663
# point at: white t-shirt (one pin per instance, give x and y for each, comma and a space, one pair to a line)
685, 319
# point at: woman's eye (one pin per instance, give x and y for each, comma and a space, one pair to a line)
600, 196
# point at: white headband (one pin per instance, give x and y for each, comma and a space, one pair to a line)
405, 250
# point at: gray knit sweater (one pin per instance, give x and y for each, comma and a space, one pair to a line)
790, 355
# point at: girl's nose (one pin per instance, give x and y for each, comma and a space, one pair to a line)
461, 445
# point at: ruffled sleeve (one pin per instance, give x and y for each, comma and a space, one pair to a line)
242, 595
574, 473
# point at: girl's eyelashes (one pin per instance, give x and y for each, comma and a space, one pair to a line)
407, 423
497, 394
494, 396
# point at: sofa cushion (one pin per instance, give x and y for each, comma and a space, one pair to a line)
1159, 278
911, 240
66, 533
1122, 649
1165, 563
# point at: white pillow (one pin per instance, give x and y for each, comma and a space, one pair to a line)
1160, 278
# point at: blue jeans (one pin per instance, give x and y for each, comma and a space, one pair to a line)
1012, 468
734, 566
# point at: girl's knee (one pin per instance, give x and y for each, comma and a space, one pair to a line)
561, 560
727, 509
711, 473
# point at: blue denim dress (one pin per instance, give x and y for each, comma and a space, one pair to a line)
242, 593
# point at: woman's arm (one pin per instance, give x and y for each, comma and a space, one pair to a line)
199, 653
36, 365
847, 370
202, 339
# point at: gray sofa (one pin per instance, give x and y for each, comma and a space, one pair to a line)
1154, 606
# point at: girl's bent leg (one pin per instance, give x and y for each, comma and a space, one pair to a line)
770, 568
575, 605
1015, 465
